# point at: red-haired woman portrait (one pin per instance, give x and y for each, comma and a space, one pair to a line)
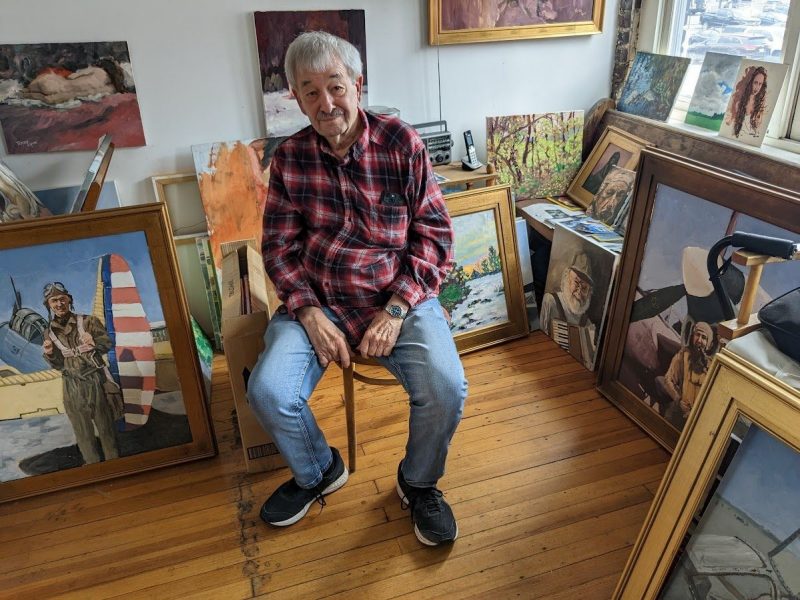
749, 103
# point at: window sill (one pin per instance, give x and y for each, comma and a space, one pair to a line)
783, 150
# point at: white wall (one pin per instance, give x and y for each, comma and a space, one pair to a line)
196, 72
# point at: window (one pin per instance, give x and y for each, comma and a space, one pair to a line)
758, 29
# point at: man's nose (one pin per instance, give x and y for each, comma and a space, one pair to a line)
326, 102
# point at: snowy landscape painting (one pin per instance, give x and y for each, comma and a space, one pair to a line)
483, 292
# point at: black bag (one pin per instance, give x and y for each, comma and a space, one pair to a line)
781, 317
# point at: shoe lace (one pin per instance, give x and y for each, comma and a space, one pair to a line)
430, 497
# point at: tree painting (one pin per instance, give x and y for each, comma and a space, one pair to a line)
537, 154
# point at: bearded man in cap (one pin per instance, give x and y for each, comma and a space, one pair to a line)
74, 344
568, 308
687, 371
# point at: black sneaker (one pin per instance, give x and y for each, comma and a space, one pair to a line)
433, 518
289, 503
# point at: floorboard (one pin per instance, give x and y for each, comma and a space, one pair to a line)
549, 482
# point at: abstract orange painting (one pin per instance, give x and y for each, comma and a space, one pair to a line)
233, 178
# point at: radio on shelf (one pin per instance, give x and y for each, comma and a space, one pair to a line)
437, 140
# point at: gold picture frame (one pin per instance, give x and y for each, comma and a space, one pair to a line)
736, 392
483, 293
451, 23
137, 386
612, 141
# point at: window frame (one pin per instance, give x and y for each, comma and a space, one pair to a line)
657, 28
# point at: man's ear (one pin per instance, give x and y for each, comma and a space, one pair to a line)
359, 84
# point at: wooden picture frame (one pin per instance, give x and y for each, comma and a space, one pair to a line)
451, 23
138, 379
482, 218
680, 209
737, 395
181, 194
612, 141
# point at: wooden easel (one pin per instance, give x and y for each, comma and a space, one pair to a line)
746, 321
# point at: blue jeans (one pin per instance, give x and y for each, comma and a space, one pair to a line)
425, 362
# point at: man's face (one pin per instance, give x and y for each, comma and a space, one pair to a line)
578, 288
612, 194
330, 100
700, 340
59, 305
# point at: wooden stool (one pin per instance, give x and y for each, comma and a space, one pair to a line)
350, 400
746, 321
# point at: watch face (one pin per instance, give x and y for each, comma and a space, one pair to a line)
395, 311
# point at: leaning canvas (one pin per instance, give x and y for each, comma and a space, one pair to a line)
58, 200
98, 373
753, 99
64, 96
576, 294
233, 179
537, 154
275, 30
652, 85
611, 203
713, 90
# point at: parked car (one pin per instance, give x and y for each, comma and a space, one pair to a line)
731, 44
772, 38
769, 17
727, 16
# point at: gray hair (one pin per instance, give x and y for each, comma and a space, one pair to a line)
315, 51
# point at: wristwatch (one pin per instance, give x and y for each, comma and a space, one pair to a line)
396, 311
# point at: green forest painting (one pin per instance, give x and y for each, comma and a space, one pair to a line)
538, 155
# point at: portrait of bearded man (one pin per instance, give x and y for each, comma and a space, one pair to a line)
568, 307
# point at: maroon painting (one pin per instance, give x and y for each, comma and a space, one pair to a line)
488, 14
275, 30
67, 96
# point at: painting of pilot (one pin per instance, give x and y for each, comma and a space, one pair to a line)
672, 334
74, 344
680, 385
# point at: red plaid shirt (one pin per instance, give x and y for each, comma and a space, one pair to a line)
333, 238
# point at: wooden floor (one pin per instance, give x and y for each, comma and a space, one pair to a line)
549, 483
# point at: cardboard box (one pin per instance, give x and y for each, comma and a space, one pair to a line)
243, 341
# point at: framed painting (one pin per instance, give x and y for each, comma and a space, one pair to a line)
469, 21
483, 294
724, 522
275, 30
98, 373
65, 96
538, 155
662, 331
614, 148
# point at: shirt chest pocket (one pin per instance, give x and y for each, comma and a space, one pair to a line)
388, 226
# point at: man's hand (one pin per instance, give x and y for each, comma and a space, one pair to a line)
381, 335
86, 338
47, 347
329, 342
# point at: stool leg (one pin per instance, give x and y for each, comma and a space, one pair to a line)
350, 416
